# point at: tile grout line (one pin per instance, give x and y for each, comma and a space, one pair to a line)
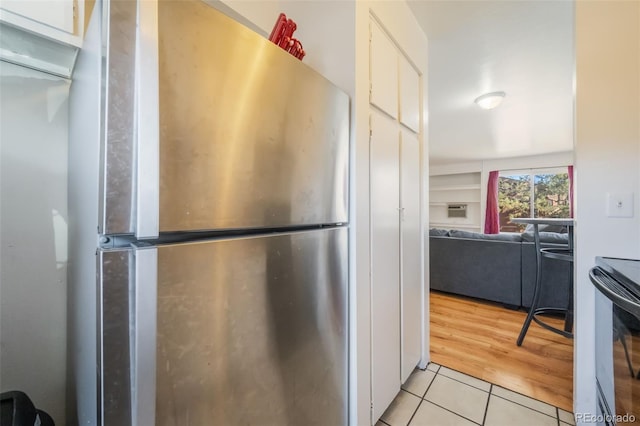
460, 372
444, 408
506, 399
490, 393
529, 397
532, 409
486, 407
428, 386
453, 412
422, 397
414, 413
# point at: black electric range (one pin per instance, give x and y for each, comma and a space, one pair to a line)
617, 339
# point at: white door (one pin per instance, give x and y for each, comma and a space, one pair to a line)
385, 261
410, 253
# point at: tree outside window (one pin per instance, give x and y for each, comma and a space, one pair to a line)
543, 193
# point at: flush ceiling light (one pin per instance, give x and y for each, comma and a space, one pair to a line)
490, 100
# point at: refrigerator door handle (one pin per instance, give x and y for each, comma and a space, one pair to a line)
143, 336
148, 121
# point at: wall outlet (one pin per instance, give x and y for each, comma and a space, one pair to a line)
619, 204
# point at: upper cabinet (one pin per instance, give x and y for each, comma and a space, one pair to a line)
383, 71
409, 95
42, 34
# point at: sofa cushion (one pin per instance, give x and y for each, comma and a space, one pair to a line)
505, 236
436, 232
547, 228
547, 237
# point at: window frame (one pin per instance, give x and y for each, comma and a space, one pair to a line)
532, 172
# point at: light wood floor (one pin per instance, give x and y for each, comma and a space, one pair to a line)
479, 339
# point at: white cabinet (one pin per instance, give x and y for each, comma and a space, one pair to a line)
59, 15
395, 205
409, 99
383, 70
42, 34
410, 254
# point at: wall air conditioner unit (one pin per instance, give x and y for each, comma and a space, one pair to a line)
457, 210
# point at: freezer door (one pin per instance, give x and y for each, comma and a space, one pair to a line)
250, 137
253, 331
117, 99
207, 125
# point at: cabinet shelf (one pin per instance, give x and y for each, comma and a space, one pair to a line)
455, 187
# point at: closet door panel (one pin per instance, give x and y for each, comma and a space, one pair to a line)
385, 261
411, 288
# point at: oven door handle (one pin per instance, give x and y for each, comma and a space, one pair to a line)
614, 291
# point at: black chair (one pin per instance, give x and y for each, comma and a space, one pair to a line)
16, 409
563, 254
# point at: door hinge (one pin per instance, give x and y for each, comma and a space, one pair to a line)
370, 129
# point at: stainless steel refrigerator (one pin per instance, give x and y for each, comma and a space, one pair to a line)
208, 218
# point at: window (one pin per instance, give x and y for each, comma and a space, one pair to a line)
532, 193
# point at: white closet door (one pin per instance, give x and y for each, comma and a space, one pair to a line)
411, 254
384, 71
385, 262
409, 95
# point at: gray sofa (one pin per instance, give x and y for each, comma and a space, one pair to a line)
499, 268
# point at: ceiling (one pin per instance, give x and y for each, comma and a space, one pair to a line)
524, 48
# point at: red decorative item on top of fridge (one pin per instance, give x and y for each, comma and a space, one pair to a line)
282, 35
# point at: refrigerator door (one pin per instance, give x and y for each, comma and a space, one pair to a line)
249, 331
250, 137
127, 330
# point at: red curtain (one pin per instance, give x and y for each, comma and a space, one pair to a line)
570, 173
492, 217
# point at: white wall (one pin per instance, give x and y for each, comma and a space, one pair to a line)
607, 158
325, 29
259, 15
33, 230
561, 159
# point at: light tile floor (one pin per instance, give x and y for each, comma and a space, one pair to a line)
440, 396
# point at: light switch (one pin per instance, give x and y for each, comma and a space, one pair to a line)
620, 204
